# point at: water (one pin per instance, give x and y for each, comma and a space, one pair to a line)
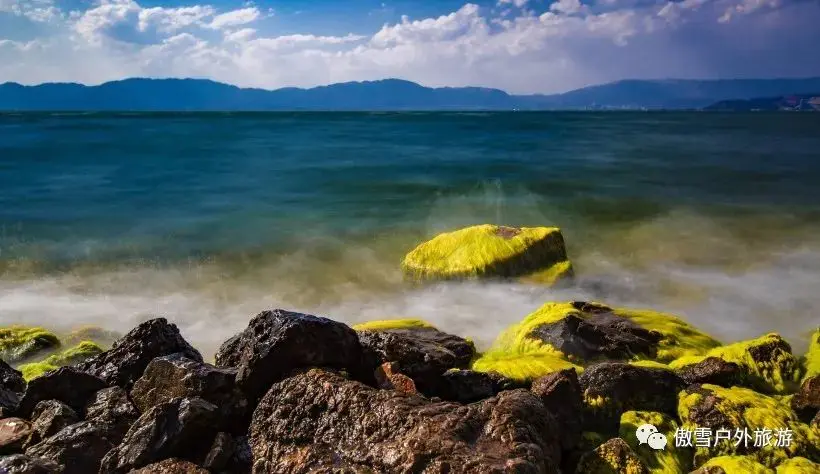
207, 219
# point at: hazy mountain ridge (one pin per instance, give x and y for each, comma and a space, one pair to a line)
389, 94
798, 102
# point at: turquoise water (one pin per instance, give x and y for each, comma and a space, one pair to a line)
209, 218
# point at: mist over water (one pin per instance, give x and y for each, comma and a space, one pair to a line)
207, 220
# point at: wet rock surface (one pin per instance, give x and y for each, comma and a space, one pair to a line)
50, 416
614, 456
22, 464
127, 359
13, 434
560, 394
77, 448
806, 402
68, 385
316, 420
229, 455
171, 466
12, 386
277, 342
713, 370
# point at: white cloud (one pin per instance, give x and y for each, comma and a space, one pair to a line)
744, 7
40, 11
566, 6
235, 18
517, 3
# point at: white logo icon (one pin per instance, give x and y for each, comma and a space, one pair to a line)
648, 434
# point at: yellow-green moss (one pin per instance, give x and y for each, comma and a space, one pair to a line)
672, 460
101, 336
522, 366
489, 251
738, 465
812, 357
798, 465
22, 342
650, 364
383, 325
679, 338
74, 355
559, 272
612, 457
778, 375
745, 408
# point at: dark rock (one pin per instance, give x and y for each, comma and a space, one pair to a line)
614, 456
171, 466
389, 378
66, 384
22, 464
277, 342
13, 434
181, 427
601, 334
423, 354
713, 370
317, 421
50, 416
12, 386
560, 392
709, 470
229, 455
176, 376
112, 407
77, 448
465, 386
611, 388
806, 402
125, 362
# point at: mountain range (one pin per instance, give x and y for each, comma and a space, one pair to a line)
139, 94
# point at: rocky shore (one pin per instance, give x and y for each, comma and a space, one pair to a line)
564, 390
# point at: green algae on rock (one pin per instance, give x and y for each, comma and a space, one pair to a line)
733, 465
798, 465
614, 456
672, 460
739, 408
73, 355
767, 362
811, 360
387, 324
491, 251
18, 343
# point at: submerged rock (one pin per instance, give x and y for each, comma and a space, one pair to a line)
317, 421
181, 427
612, 457
127, 359
176, 376
558, 336
13, 434
21, 342
490, 251
74, 355
277, 342
560, 392
66, 384
22, 464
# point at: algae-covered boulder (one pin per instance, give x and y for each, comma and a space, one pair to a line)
798, 465
670, 460
733, 465
768, 420
767, 363
613, 457
491, 251
74, 355
806, 401
22, 342
558, 336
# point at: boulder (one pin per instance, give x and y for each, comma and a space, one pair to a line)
468, 386
74, 355
767, 363
318, 420
14, 432
229, 455
176, 376
798, 465
171, 466
277, 342
69, 385
712, 370
22, 464
740, 409
806, 402
18, 343
50, 416
12, 386
77, 448
560, 392
611, 388
127, 359
112, 407
490, 251
672, 458
732, 465
181, 427
559, 336
614, 457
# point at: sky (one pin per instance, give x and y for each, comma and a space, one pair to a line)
521, 46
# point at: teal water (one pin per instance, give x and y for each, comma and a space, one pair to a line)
209, 218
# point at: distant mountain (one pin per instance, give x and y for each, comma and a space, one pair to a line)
800, 102
390, 94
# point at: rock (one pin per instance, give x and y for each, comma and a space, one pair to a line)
22, 464
732, 465
112, 407
125, 362
798, 465
614, 456
767, 363
560, 336
277, 342
389, 378
422, 353
611, 388
12, 386
74, 355
712, 370
318, 420
77, 448
717, 408
171, 466
490, 251
672, 458
229, 455
560, 392
806, 402
18, 343
176, 376
181, 427
69, 385
13, 434
50, 416
467, 386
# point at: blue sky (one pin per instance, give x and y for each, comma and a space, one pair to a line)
522, 46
